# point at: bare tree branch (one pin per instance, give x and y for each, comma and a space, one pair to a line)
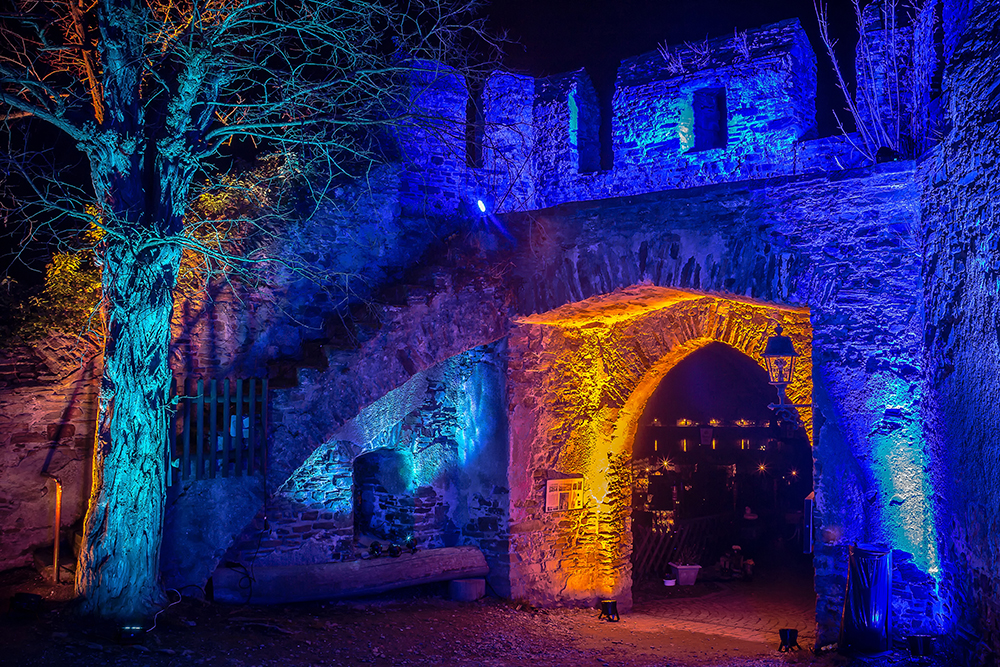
161, 98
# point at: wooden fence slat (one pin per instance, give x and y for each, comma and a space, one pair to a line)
227, 427
656, 562
649, 562
640, 558
200, 440
213, 439
640, 553
263, 434
168, 455
186, 444
251, 444
239, 428
669, 545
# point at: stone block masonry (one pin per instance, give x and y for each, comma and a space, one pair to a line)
960, 332
764, 101
459, 360
429, 459
579, 378
541, 145
48, 415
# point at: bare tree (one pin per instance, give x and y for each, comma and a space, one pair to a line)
158, 95
895, 65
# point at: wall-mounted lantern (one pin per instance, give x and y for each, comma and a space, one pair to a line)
779, 357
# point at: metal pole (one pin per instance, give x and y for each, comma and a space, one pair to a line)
55, 543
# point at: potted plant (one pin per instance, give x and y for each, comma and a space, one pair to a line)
685, 574
685, 570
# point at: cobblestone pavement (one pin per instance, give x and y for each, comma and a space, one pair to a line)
751, 611
713, 623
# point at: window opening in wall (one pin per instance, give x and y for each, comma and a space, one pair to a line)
710, 119
584, 129
475, 123
604, 77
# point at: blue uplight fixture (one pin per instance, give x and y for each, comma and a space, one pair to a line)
481, 205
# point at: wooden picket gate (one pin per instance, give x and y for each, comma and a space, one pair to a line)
653, 549
219, 429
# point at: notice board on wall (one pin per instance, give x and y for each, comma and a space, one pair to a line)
564, 494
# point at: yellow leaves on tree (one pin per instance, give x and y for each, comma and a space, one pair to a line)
70, 300
230, 218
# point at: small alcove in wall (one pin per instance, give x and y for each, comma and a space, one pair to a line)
384, 497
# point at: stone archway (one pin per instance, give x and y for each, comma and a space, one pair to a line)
579, 377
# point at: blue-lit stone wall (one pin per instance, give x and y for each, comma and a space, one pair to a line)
433, 150
566, 118
506, 181
542, 145
769, 88
438, 181
845, 244
962, 331
448, 423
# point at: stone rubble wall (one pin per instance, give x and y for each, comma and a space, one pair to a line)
448, 423
845, 245
961, 342
770, 103
542, 145
48, 416
578, 384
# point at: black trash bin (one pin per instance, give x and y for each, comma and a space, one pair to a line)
867, 621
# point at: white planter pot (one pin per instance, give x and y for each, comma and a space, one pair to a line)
685, 574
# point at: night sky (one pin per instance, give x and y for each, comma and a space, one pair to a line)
552, 36
714, 382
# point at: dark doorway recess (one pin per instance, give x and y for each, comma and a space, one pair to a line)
383, 498
707, 448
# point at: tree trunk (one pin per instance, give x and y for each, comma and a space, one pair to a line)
118, 571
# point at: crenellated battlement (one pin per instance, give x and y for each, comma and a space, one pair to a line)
729, 109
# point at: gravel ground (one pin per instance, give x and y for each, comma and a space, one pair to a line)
418, 627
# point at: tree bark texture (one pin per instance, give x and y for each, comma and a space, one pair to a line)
142, 170
118, 573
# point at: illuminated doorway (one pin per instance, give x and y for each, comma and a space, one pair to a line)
579, 380
719, 480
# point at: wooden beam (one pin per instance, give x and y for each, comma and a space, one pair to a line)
327, 581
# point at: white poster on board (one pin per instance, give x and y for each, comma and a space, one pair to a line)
563, 494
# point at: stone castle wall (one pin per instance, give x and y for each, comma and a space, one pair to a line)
446, 426
542, 147
48, 414
961, 341
896, 264
844, 245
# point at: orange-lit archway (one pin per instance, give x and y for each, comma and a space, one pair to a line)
579, 378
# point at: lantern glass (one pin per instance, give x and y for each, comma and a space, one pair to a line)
779, 356
780, 369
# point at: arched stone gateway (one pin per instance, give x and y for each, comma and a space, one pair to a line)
579, 377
